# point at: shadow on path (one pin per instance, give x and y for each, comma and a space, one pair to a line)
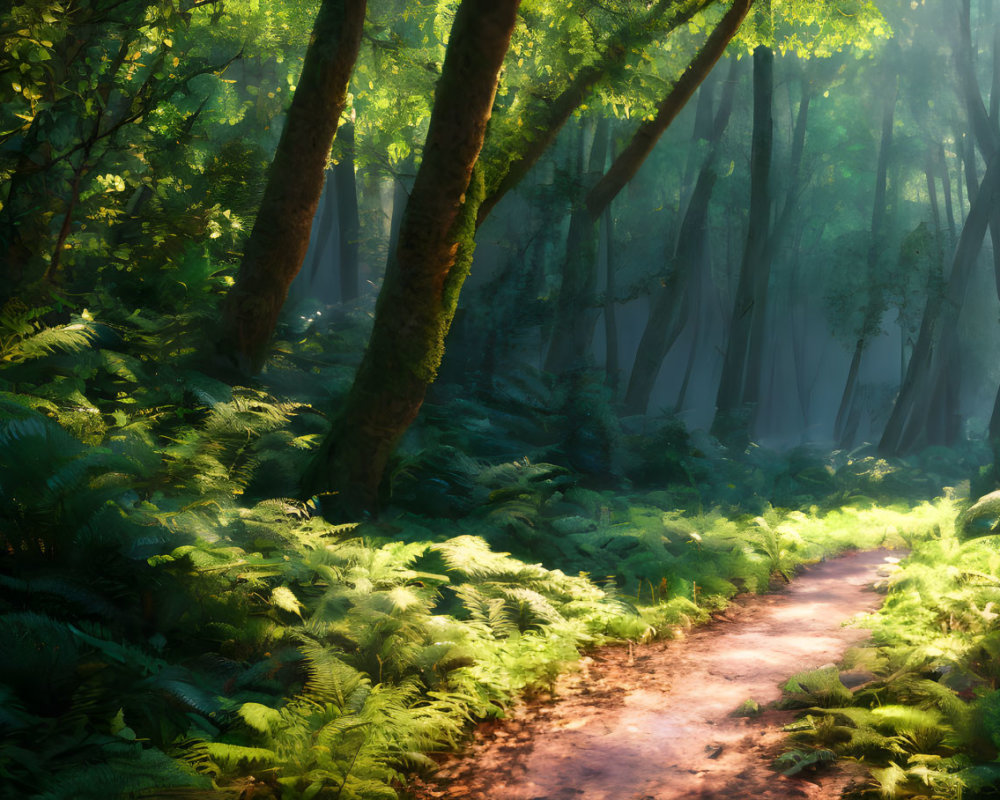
655, 723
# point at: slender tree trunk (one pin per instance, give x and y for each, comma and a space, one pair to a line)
611, 366
906, 430
695, 299
873, 313
576, 311
946, 191
738, 389
400, 197
667, 313
348, 219
421, 287
932, 196
280, 237
324, 231
797, 336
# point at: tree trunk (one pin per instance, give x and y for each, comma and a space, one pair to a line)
348, 219
575, 308
906, 430
873, 313
946, 191
738, 388
420, 291
611, 367
799, 326
280, 236
627, 163
321, 236
669, 302
695, 299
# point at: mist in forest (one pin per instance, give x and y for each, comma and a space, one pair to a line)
873, 156
362, 363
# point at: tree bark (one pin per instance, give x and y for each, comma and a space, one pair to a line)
348, 219
324, 233
906, 430
547, 116
611, 364
280, 237
420, 291
738, 388
666, 315
949, 207
842, 433
575, 308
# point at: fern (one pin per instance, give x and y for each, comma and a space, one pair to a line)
22, 341
128, 769
492, 613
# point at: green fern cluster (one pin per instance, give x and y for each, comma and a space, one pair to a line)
927, 722
177, 631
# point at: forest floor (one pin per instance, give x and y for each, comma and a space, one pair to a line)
656, 721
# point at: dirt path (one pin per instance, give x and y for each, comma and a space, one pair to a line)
656, 723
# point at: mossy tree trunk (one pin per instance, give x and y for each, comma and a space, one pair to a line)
420, 291
280, 237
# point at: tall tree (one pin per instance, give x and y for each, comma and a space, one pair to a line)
280, 238
576, 312
739, 385
926, 408
348, 220
844, 432
670, 301
574, 320
420, 291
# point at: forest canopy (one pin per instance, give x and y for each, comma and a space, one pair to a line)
360, 362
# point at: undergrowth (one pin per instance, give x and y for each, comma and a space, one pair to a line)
926, 716
172, 627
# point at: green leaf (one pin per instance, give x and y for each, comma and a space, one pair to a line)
285, 599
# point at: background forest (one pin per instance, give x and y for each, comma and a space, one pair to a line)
361, 363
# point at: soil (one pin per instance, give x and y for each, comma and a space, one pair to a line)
656, 722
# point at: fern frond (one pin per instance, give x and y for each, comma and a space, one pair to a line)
70, 338
472, 556
232, 755
531, 608
137, 770
29, 402
491, 612
330, 678
261, 718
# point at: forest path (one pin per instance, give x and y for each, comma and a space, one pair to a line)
655, 722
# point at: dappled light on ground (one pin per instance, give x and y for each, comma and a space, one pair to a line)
658, 721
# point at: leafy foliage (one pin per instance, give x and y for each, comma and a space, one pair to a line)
926, 720
230, 636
